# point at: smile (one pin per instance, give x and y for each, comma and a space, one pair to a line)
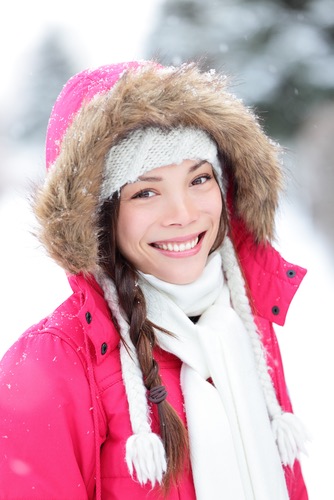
174, 246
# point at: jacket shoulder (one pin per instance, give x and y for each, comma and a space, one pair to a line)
83, 317
44, 397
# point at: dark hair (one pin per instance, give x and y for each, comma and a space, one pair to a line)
132, 301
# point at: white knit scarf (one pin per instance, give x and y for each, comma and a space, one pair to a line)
233, 453
239, 434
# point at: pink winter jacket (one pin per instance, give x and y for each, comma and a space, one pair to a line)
64, 417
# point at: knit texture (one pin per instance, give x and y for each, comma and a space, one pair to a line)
289, 433
152, 147
144, 454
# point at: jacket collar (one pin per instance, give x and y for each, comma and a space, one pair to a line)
95, 315
271, 281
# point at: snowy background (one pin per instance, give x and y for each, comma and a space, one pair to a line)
282, 53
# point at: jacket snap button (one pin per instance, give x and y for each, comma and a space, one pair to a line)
291, 273
104, 348
88, 317
275, 310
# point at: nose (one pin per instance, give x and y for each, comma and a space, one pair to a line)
180, 210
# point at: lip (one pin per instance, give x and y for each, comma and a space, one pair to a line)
184, 253
180, 239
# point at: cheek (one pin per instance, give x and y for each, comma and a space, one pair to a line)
216, 205
131, 229
124, 229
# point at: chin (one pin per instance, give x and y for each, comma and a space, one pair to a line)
181, 279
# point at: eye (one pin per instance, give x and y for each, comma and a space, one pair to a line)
201, 179
144, 193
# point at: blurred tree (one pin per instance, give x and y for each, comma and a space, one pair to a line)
49, 68
279, 53
315, 168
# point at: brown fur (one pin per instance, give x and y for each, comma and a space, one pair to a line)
67, 205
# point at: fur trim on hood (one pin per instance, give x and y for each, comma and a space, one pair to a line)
90, 117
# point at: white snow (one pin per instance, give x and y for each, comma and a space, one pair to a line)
307, 345
32, 285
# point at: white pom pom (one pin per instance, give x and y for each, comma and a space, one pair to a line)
290, 435
146, 454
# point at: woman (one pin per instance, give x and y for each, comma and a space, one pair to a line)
161, 374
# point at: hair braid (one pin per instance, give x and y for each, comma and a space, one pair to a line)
141, 332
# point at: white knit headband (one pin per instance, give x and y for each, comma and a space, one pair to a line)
152, 147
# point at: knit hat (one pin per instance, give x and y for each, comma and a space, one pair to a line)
138, 111
148, 148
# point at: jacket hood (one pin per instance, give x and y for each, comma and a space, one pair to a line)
98, 108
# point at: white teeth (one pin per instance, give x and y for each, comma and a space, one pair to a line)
178, 247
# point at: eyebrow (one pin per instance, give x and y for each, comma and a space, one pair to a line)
192, 169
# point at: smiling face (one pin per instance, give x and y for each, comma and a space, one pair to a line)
168, 221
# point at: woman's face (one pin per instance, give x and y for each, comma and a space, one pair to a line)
169, 219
